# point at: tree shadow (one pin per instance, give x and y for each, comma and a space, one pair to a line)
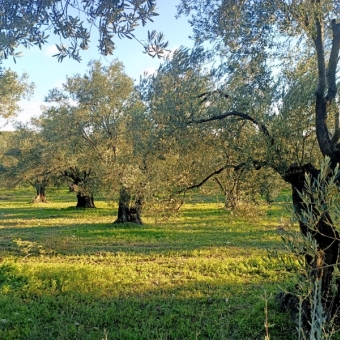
92, 238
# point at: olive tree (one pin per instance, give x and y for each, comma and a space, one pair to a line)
284, 35
26, 160
98, 107
68, 152
184, 90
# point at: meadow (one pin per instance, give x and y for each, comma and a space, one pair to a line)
204, 273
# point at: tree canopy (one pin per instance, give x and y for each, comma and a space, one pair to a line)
12, 89
87, 128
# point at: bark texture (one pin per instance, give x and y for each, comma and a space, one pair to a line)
320, 266
85, 201
129, 210
40, 196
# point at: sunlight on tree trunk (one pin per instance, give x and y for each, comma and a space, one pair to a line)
129, 210
40, 193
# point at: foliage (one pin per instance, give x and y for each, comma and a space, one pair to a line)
246, 29
308, 290
187, 92
25, 159
89, 129
174, 96
245, 188
270, 53
12, 89
103, 101
27, 23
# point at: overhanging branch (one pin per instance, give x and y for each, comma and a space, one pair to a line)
256, 164
242, 115
279, 165
194, 186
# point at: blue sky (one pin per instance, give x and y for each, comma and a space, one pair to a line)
47, 73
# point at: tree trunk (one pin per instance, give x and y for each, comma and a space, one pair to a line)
321, 265
40, 193
129, 211
231, 192
72, 187
231, 199
85, 201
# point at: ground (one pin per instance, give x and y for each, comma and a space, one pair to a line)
67, 273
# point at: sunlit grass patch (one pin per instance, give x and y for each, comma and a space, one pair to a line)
172, 296
72, 274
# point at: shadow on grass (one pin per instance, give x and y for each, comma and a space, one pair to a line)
44, 212
91, 238
71, 231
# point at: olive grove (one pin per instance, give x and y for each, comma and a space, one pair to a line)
263, 96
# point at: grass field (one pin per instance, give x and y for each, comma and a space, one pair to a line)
67, 273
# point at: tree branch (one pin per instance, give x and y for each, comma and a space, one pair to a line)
257, 166
204, 180
320, 51
207, 95
333, 62
220, 185
88, 138
281, 167
242, 115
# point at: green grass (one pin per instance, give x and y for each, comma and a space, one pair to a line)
67, 273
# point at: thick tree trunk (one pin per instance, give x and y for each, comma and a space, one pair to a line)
85, 201
320, 266
129, 211
78, 181
40, 193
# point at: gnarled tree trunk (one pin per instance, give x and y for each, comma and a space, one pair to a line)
40, 193
231, 192
129, 210
78, 182
85, 200
320, 266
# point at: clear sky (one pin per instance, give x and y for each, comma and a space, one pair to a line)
47, 73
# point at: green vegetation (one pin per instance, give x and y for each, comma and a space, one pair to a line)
69, 273
258, 108
39, 21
